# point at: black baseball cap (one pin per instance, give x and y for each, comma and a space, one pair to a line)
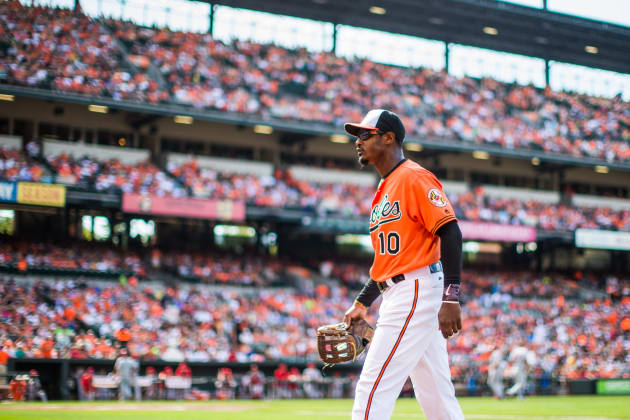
378, 119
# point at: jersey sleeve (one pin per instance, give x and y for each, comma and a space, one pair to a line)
429, 204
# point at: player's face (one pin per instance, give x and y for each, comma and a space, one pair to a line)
365, 144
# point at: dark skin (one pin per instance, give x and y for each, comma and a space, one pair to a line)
384, 152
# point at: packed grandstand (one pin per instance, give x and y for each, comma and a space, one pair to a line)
73, 299
55, 49
280, 189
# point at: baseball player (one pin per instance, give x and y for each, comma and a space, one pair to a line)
496, 367
126, 368
521, 358
417, 268
34, 387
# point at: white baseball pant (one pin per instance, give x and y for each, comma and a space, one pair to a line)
407, 343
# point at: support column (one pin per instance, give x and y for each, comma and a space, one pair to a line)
154, 140
63, 379
211, 23
546, 73
334, 45
446, 54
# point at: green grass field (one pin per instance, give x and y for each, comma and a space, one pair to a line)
535, 408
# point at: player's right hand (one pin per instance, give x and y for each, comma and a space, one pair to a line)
354, 312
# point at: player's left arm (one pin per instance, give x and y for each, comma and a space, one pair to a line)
429, 204
449, 317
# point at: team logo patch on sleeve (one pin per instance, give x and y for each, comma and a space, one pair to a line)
436, 197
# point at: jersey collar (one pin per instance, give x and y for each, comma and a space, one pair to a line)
394, 168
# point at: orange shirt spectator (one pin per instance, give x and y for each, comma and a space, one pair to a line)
123, 335
4, 357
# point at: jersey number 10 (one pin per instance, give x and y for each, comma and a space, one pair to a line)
391, 242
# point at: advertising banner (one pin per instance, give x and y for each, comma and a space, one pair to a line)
41, 194
613, 387
184, 207
602, 239
145, 381
8, 191
105, 381
177, 382
497, 232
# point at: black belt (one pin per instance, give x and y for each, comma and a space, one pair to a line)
382, 285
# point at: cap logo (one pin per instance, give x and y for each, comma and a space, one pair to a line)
436, 198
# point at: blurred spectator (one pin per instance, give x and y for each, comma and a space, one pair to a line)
4, 358
151, 392
17, 387
225, 384
281, 376
87, 388
183, 370
253, 383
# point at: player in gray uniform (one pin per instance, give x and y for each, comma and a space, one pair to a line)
520, 357
496, 368
126, 368
34, 387
312, 381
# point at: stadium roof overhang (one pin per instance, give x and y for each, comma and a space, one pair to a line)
521, 30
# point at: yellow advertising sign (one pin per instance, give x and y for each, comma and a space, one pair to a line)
41, 194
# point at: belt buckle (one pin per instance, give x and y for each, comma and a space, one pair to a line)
436, 267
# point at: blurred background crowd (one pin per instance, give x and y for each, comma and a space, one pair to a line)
56, 49
282, 190
572, 335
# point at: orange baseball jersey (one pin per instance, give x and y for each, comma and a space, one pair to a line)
408, 208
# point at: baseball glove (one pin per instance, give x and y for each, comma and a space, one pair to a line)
337, 343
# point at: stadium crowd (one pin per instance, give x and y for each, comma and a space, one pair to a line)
15, 166
282, 190
475, 205
65, 50
271, 81
586, 340
95, 258
114, 176
275, 82
351, 200
279, 190
26, 255
220, 269
68, 319
572, 337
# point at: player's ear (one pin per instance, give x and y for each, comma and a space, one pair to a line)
389, 137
